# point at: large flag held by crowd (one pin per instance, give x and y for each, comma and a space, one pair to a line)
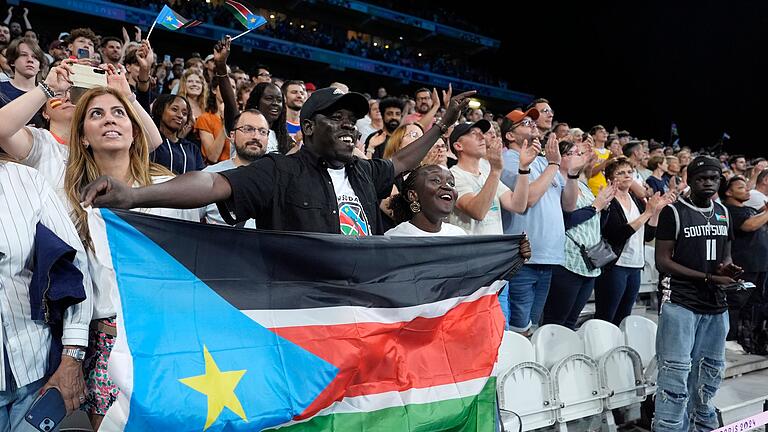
230, 329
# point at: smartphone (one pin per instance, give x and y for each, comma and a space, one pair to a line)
166, 58
88, 77
47, 411
83, 53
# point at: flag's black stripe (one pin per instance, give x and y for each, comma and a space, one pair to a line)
289, 270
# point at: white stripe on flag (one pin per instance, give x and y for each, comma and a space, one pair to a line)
380, 401
279, 318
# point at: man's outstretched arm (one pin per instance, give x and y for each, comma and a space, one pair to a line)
190, 190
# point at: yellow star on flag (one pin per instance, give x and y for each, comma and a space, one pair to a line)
169, 18
253, 19
219, 387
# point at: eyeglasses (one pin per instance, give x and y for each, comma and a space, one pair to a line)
265, 74
527, 123
574, 153
547, 111
250, 130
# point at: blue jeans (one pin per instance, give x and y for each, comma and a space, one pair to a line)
522, 301
568, 294
14, 403
690, 349
615, 293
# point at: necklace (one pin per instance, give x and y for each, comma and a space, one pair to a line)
704, 215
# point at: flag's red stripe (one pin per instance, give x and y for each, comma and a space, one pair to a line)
374, 358
240, 7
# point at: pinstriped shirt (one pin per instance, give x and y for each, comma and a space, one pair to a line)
26, 198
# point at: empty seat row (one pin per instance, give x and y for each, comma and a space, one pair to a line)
560, 376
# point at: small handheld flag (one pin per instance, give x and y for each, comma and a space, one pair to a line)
248, 19
171, 20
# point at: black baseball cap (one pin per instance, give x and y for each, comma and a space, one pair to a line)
462, 129
331, 97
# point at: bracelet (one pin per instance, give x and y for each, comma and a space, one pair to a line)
224, 75
523, 172
574, 176
707, 278
47, 90
142, 81
132, 98
554, 163
442, 126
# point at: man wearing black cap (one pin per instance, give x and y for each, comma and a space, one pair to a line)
481, 195
321, 188
693, 248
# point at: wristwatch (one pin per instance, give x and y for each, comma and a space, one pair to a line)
76, 353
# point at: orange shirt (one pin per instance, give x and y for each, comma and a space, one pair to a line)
212, 124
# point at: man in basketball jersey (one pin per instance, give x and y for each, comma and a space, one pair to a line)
693, 248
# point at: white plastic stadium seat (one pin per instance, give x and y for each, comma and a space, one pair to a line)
525, 387
621, 367
640, 334
575, 375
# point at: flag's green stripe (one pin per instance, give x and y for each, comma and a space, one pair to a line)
240, 17
170, 26
469, 414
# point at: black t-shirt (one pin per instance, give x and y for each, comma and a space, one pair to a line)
296, 193
749, 249
701, 237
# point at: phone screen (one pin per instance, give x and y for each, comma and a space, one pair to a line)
167, 59
83, 53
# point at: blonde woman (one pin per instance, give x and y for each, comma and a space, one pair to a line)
195, 89
106, 139
401, 137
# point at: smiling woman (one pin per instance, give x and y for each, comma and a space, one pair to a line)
427, 198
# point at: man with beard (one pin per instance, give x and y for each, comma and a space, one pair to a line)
5, 34
693, 247
111, 51
746, 308
322, 187
295, 94
423, 105
391, 114
250, 140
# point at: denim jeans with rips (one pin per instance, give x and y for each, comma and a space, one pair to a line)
690, 349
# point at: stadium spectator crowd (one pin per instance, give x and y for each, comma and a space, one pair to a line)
207, 141
337, 38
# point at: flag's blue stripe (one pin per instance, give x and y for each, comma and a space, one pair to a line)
169, 314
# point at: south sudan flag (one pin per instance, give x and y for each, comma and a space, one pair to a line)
245, 330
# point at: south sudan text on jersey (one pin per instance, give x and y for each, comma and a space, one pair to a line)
705, 231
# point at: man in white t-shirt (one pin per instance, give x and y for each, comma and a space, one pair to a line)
250, 141
481, 195
759, 195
